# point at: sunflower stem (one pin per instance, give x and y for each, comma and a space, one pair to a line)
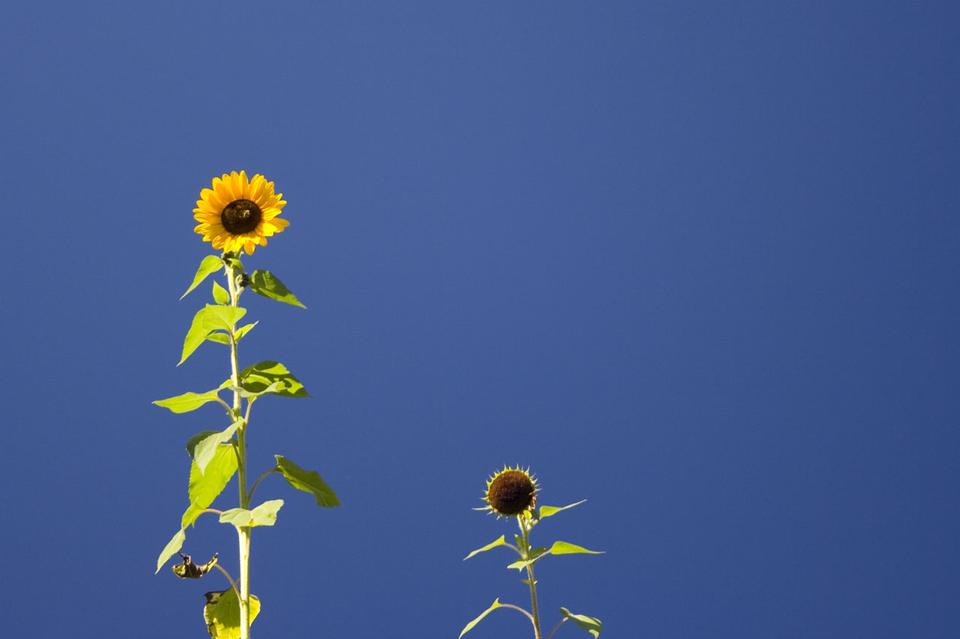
241, 449
531, 578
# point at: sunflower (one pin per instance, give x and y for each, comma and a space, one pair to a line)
239, 213
511, 492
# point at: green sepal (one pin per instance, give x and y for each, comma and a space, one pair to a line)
309, 481
501, 541
209, 264
479, 618
187, 401
590, 624
220, 294
271, 377
222, 613
263, 515
206, 448
268, 285
211, 317
206, 486
173, 547
550, 511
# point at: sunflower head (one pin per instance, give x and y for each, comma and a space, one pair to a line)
239, 213
511, 492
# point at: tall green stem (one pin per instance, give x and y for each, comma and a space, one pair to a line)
531, 578
242, 533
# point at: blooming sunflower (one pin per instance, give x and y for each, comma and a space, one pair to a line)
239, 213
511, 492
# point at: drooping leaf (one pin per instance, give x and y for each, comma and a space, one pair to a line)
187, 401
222, 613
267, 284
263, 515
173, 547
210, 318
259, 378
502, 541
206, 486
220, 294
479, 618
206, 448
535, 555
189, 570
309, 481
550, 511
566, 548
590, 624
209, 264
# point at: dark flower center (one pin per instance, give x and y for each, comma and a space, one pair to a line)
240, 216
511, 493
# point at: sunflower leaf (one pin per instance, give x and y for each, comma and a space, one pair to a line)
590, 624
210, 318
263, 515
187, 401
206, 486
479, 618
209, 264
222, 338
502, 541
271, 377
206, 448
566, 548
220, 294
268, 285
309, 481
550, 511
173, 547
222, 613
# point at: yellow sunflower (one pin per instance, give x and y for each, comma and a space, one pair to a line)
239, 213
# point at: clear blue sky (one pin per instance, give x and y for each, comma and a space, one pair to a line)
696, 262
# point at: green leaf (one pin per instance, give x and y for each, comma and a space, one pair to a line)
263, 515
566, 548
173, 547
222, 613
308, 481
502, 541
209, 264
206, 448
266, 283
259, 378
469, 626
223, 338
550, 511
590, 624
220, 294
188, 401
211, 317
206, 486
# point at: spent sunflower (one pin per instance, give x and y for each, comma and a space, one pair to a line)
239, 213
511, 492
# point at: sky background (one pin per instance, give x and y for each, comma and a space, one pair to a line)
695, 262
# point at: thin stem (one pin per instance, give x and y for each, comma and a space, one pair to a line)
226, 574
518, 609
259, 479
556, 627
242, 533
531, 578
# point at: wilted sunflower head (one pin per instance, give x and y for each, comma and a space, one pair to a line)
238, 213
511, 492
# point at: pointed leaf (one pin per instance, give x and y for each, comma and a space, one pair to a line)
259, 377
206, 448
222, 613
187, 402
206, 486
220, 294
209, 264
469, 626
222, 338
263, 515
549, 511
590, 624
211, 317
267, 284
502, 541
566, 548
308, 481
173, 547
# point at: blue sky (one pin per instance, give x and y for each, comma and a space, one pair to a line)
695, 262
